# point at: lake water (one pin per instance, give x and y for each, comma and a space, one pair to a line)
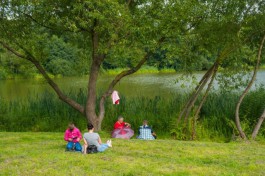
134, 85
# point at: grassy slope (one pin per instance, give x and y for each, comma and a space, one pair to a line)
43, 154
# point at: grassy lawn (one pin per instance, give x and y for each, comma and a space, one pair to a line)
44, 154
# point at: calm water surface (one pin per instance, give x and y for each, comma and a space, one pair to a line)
134, 85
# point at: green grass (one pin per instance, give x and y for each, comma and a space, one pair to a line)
143, 70
44, 154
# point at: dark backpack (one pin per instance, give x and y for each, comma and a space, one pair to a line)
92, 149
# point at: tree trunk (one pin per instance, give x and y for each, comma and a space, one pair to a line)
258, 125
92, 95
237, 117
194, 95
202, 102
97, 60
194, 98
206, 94
262, 117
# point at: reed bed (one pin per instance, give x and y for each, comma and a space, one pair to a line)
47, 113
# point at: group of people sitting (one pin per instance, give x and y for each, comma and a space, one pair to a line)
92, 140
123, 130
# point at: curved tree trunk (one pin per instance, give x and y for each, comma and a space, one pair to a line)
237, 117
258, 125
262, 117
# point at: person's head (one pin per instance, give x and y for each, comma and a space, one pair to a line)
120, 119
71, 126
145, 122
90, 127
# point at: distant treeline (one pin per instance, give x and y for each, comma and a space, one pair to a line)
64, 59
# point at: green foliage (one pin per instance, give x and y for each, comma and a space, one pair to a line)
11, 66
61, 57
3, 73
47, 113
58, 33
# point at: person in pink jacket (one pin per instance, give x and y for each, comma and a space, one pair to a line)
73, 136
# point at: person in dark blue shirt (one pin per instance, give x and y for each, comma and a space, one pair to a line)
146, 132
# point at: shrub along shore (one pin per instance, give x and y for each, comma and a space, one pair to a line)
144, 70
47, 113
4, 75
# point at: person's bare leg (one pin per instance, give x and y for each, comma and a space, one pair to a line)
109, 142
85, 148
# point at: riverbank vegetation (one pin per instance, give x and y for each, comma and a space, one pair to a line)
84, 38
47, 113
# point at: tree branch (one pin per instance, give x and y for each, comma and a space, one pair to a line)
51, 28
129, 2
198, 110
13, 51
122, 75
55, 87
258, 125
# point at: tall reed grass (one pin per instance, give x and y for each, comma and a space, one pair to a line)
48, 113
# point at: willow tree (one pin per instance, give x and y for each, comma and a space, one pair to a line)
227, 29
257, 21
111, 30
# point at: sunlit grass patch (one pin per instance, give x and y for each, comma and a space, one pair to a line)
44, 154
143, 70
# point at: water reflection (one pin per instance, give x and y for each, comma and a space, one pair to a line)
134, 85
